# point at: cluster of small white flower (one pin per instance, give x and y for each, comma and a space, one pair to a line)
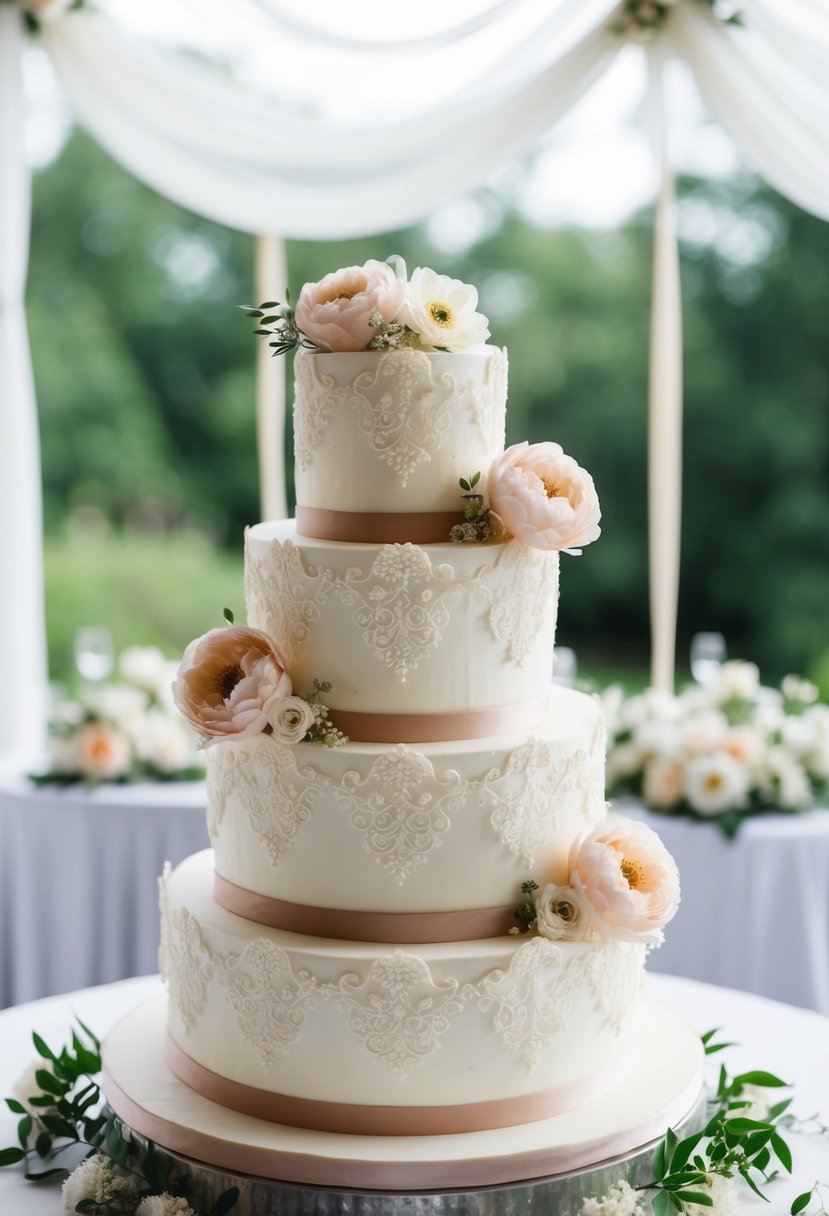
730, 745
623, 1200
129, 728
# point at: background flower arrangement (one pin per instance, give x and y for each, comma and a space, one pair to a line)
723, 750
123, 730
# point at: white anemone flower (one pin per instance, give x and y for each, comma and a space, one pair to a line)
442, 311
716, 783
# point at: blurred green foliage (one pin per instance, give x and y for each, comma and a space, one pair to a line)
145, 376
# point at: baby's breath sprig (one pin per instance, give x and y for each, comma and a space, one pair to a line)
390, 335
323, 729
278, 322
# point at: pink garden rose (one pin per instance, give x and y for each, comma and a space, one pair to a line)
228, 680
629, 879
543, 497
334, 313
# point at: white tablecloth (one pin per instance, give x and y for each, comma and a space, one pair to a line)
794, 1043
755, 910
78, 879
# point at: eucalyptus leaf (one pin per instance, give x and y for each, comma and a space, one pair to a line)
42, 1048
703, 1198
226, 1201
748, 1178
661, 1204
740, 1126
57, 1171
17, 1108
782, 1152
683, 1151
801, 1202
24, 1130
43, 1144
758, 1077
10, 1156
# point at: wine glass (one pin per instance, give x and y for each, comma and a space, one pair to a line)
708, 654
564, 666
94, 654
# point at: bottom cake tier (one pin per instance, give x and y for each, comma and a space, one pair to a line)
366, 1038
662, 1088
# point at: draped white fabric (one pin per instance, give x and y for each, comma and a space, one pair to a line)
216, 144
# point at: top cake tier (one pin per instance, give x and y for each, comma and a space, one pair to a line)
382, 439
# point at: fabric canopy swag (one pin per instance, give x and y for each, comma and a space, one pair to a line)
266, 165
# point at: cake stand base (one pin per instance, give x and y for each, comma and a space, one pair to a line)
548, 1166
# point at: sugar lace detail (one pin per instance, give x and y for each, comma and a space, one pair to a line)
276, 795
402, 606
527, 794
188, 963
317, 396
521, 586
529, 1000
283, 596
269, 999
401, 807
398, 1012
616, 975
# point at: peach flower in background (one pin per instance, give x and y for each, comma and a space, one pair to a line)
228, 680
101, 753
543, 497
629, 879
334, 312
663, 784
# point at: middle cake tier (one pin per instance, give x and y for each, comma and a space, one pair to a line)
402, 843
409, 635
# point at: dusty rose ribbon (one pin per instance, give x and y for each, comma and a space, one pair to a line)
377, 528
441, 728
363, 1120
468, 925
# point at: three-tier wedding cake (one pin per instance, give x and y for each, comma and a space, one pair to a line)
416, 924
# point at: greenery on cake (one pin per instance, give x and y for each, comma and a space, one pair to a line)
479, 523
232, 683
721, 751
376, 306
640, 20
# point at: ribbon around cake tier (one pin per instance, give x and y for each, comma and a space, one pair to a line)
441, 728
377, 528
369, 1120
468, 924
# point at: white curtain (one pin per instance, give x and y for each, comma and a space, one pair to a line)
264, 164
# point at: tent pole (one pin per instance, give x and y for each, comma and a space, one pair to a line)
271, 278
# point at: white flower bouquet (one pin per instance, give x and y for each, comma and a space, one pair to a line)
124, 730
720, 751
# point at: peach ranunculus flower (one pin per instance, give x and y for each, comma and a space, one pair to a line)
543, 497
334, 313
629, 879
227, 682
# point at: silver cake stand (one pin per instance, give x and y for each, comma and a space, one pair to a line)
561, 1195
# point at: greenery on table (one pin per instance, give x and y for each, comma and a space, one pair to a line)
145, 377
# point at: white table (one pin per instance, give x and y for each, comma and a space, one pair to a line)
78, 879
794, 1043
755, 910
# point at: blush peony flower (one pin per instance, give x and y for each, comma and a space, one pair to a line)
334, 313
562, 913
543, 497
716, 783
291, 718
629, 880
101, 753
227, 682
663, 783
441, 311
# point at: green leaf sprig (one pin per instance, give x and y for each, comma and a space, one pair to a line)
276, 321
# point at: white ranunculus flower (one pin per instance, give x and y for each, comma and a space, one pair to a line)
68, 713
291, 718
118, 703
95, 1178
737, 681
747, 746
703, 732
442, 311
562, 913
716, 783
818, 761
164, 1205
102, 752
165, 743
794, 688
657, 738
789, 779
798, 735
143, 666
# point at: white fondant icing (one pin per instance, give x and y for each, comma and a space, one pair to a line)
406, 628
394, 431
437, 827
